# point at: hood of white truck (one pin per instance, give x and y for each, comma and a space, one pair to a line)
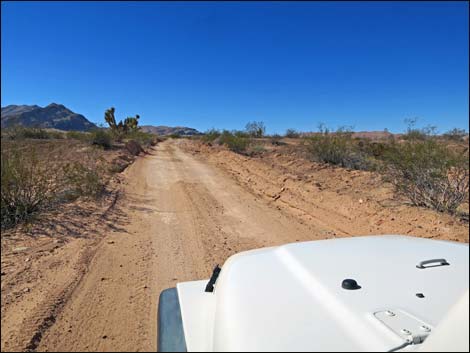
290, 298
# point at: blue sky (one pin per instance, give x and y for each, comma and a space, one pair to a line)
221, 64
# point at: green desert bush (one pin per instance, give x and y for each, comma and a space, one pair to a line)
81, 181
31, 183
102, 138
233, 142
276, 140
20, 132
338, 148
143, 138
292, 133
255, 129
455, 134
210, 135
27, 185
77, 135
428, 173
257, 149
418, 134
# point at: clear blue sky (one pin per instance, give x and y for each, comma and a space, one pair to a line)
221, 64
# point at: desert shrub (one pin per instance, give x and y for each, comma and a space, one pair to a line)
81, 181
210, 135
428, 173
27, 185
241, 134
375, 149
77, 135
56, 135
233, 142
292, 133
102, 138
418, 134
276, 140
174, 136
455, 134
143, 138
255, 129
20, 132
257, 149
338, 148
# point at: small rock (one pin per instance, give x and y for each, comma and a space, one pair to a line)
26, 290
2, 273
27, 259
20, 248
104, 337
110, 241
361, 201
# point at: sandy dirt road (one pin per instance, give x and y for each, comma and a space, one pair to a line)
180, 217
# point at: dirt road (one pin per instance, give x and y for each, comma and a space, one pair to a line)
92, 284
181, 218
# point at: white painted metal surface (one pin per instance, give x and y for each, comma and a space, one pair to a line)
290, 298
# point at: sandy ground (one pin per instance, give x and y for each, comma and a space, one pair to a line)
181, 210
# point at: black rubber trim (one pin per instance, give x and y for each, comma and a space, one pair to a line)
170, 324
213, 279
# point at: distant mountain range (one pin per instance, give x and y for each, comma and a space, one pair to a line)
167, 130
53, 116
57, 116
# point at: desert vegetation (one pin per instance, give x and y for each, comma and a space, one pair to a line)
426, 168
35, 178
339, 148
40, 170
238, 141
428, 173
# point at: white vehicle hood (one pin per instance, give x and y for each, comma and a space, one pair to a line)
290, 298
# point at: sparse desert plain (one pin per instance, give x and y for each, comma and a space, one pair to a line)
87, 275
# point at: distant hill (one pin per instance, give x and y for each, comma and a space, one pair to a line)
167, 130
54, 116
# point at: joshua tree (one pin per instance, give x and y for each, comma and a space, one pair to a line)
130, 123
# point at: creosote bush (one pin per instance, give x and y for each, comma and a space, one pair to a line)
81, 181
234, 141
20, 133
338, 148
102, 138
255, 129
428, 173
210, 135
143, 138
292, 133
31, 183
27, 185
